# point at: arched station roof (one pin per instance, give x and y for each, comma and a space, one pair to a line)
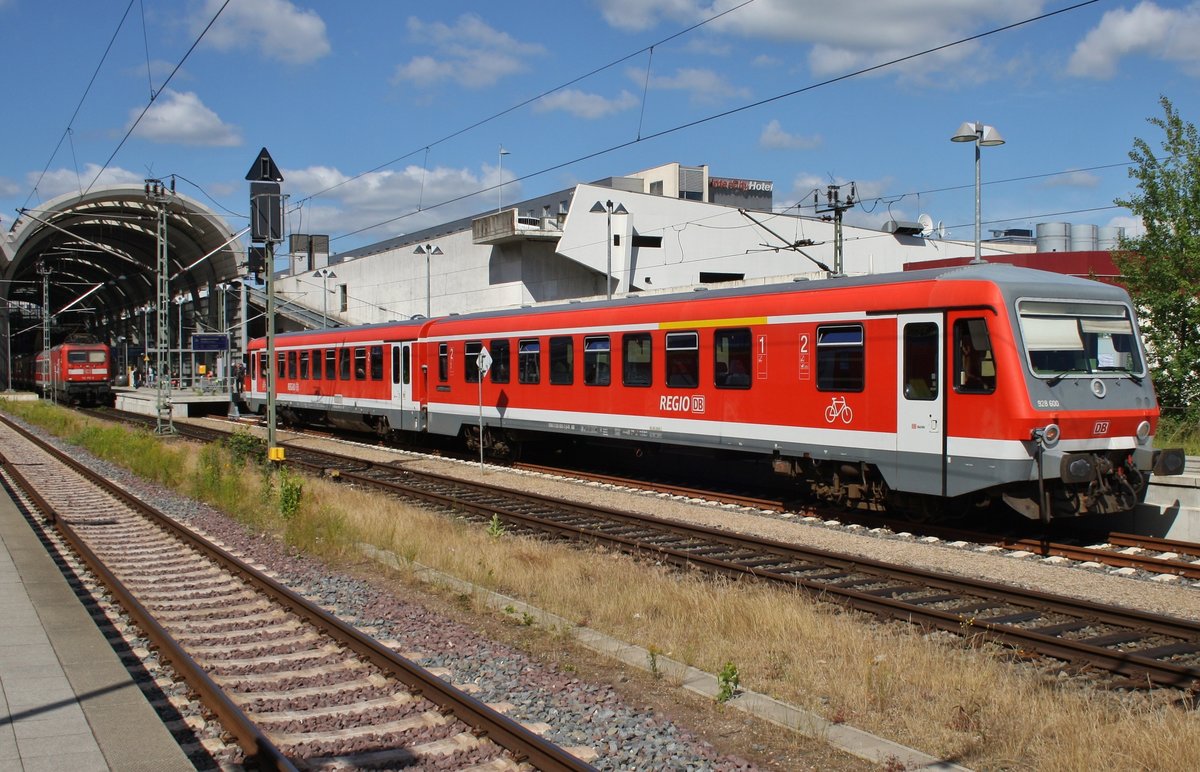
103, 246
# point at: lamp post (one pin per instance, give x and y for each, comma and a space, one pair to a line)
325, 274
500, 187
982, 136
607, 208
427, 250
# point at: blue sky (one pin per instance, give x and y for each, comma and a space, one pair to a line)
387, 117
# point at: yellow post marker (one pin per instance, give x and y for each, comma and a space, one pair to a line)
275, 453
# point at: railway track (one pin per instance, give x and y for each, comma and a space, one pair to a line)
296, 687
1147, 554
1147, 648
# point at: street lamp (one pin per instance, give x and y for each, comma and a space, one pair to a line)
325, 275
427, 250
500, 187
985, 136
607, 207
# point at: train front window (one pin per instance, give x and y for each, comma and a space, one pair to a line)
1071, 338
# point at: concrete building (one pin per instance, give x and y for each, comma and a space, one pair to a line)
664, 229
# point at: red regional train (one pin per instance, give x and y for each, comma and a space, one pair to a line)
926, 392
75, 371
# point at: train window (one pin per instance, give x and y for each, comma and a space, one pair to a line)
683, 359
529, 361
376, 359
304, 365
443, 362
471, 362
291, 365
343, 364
360, 363
330, 363
280, 364
316, 364
974, 362
635, 367
840, 358
406, 371
922, 343
262, 366
1066, 338
562, 361
597, 361
732, 352
500, 361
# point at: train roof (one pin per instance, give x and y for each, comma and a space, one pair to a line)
1012, 281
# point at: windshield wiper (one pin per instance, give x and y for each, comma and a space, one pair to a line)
1057, 379
1135, 378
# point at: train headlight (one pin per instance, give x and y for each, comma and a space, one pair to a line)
1143, 432
1047, 435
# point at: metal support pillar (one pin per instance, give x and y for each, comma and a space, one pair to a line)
164, 423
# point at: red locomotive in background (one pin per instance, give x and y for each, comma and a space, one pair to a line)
928, 391
75, 371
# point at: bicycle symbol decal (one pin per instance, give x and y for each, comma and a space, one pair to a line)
839, 408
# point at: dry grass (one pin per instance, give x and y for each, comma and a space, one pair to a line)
934, 693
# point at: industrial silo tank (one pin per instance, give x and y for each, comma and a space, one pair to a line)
1083, 238
1108, 237
1053, 237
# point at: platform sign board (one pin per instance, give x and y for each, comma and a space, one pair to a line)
207, 341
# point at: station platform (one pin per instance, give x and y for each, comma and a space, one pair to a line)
66, 700
185, 403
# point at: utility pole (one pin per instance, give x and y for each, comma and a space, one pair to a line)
164, 423
833, 203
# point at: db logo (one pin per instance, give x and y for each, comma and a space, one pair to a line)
681, 404
1101, 427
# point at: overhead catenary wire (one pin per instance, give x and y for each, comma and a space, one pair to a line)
693, 123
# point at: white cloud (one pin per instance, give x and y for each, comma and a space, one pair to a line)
57, 182
390, 199
773, 137
275, 28
1133, 225
1146, 29
181, 118
584, 105
470, 53
849, 36
702, 85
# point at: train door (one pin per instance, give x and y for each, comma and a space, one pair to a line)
402, 385
920, 429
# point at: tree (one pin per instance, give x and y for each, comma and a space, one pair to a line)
1161, 268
